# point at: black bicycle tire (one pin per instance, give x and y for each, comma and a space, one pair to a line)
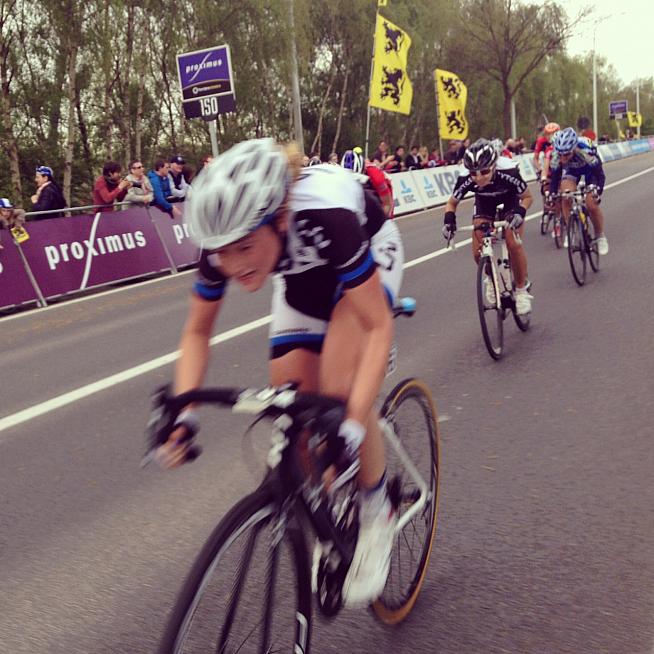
574, 224
494, 352
544, 223
415, 388
591, 244
233, 523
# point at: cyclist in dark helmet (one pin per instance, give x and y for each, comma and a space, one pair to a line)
494, 180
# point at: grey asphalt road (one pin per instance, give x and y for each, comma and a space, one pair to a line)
545, 540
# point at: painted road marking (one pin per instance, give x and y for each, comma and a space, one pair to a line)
90, 389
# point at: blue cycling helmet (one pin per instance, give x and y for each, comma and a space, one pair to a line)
565, 141
353, 160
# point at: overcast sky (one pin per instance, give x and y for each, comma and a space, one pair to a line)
625, 38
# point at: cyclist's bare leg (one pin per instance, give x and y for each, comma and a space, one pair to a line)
566, 203
478, 237
341, 352
518, 257
300, 366
596, 213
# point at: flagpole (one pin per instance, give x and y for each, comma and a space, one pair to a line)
372, 69
438, 117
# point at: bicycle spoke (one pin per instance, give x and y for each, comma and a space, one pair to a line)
244, 565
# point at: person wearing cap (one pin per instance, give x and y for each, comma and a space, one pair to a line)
160, 181
109, 188
10, 217
178, 183
48, 195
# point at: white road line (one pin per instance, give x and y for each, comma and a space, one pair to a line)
90, 389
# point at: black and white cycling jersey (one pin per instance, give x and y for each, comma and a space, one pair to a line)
337, 237
506, 187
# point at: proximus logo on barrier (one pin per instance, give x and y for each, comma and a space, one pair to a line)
76, 250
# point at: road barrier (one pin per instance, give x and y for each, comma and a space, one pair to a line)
55, 257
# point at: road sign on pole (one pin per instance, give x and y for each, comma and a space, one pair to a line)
618, 109
205, 77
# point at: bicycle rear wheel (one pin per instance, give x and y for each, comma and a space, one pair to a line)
591, 244
491, 316
409, 410
230, 601
576, 249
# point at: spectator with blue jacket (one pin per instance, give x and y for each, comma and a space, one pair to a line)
161, 188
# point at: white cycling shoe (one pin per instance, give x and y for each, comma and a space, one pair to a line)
602, 245
368, 573
523, 302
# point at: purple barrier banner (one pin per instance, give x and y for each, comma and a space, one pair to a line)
72, 254
651, 142
174, 233
15, 286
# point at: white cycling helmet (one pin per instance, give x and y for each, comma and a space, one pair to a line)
239, 191
565, 141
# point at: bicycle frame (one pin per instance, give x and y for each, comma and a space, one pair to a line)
494, 231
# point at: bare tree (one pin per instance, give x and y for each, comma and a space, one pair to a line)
511, 39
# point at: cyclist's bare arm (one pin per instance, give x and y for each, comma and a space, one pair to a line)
526, 199
194, 344
452, 204
370, 306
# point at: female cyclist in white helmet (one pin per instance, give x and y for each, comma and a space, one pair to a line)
255, 213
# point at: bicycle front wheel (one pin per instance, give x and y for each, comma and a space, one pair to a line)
412, 451
230, 601
576, 249
491, 314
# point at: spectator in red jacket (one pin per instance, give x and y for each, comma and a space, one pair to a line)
109, 188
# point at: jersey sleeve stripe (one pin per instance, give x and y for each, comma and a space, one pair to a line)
368, 263
210, 293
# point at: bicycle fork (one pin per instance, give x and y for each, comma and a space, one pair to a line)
423, 489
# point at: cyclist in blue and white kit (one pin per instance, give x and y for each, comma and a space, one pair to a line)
336, 262
574, 157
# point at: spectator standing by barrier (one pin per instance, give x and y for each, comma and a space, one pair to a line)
381, 157
435, 159
412, 161
140, 192
452, 155
333, 159
160, 182
48, 195
206, 160
423, 155
10, 217
178, 182
109, 188
396, 164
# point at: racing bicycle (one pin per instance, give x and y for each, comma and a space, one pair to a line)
250, 588
582, 244
496, 286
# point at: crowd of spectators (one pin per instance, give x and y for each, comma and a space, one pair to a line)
166, 184
399, 160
